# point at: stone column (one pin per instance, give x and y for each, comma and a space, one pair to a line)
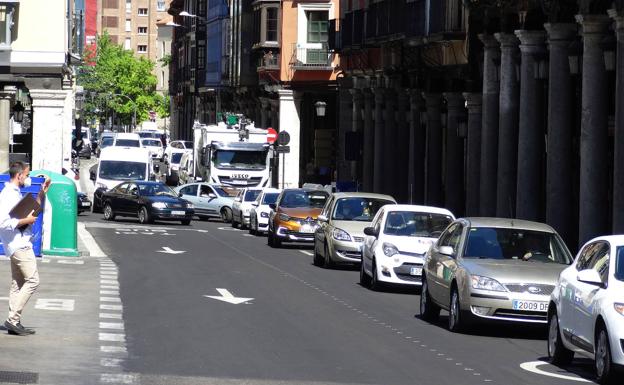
594, 180
509, 100
531, 128
5, 115
390, 153
356, 126
289, 114
50, 136
473, 156
378, 178
454, 159
618, 161
416, 172
433, 177
401, 190
559, 152
489, 128
368, 140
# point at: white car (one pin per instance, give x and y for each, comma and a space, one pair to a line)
260, 210
586, 313
174, 146
242, 206
173, 166
126, 139
396, 243
154, 146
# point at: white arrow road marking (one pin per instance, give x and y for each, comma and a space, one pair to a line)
226, 296
168, 250
306, 253
533, 368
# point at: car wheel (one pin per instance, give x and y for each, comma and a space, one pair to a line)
365, 280
327, 262
603, 360
226, 214
429, 311
456, 322
186, 222
375, 283
234, 221
270, 238
252, 230
144, 216
557, 353
109, 214
317, 260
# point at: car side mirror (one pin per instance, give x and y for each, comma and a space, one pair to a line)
255, 204
273, 206
446, 250
370, 231
180, 194
590, 276
322, 218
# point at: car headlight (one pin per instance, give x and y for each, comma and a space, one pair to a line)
101, 185
486, 283
159, 205
189, 205
389, 249
284, 217
264, 215
341, 235
619, 307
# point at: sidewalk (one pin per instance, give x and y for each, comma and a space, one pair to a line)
72, 345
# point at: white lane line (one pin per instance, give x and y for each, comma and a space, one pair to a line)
113, 349
113, 287
117, 378
110, 299
110, 307
248, 235
110, 315
109, 292
533, 368
89, 241
306, 253
115, 337
69, 262
110, 362
107, 282
112, 325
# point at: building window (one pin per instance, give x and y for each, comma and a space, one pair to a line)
141, 48
127, 43
6, 24
110, 4
128, 6
271, 23
160, 5
318, 26
142, 30
162, 79
128, 25
142, 11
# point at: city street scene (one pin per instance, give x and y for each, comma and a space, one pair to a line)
339, 192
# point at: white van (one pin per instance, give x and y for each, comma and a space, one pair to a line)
124, 139
118, 164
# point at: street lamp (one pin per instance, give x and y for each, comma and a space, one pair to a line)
320, 108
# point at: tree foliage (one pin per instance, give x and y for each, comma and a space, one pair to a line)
114, 79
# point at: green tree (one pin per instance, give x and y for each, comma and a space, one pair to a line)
115, 80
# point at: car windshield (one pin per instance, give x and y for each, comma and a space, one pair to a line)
416, 224
152, 142
227, 159
145, 134
270, 198
127, 143
106, 141
359, 209
122, 170
251, 195
187, 144
149, 190
176, 157
619, 263
311, 199
525, 245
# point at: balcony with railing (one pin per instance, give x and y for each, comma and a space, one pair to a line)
269, 62
312, 58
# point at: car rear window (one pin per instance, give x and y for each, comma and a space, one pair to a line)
619, 264
127, 143
251, 195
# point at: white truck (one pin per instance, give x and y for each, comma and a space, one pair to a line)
236, 156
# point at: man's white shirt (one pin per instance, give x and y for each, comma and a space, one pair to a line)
12, 238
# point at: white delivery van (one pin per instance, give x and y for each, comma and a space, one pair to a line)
127, 139
118, 164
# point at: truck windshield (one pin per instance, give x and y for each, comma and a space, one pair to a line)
122, 170
249, 160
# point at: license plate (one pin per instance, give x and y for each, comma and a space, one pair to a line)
178, 213
307, 229
416, 271
86, 204
530, 305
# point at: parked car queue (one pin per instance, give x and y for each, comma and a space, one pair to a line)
478, 269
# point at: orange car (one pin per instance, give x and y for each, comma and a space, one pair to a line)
293, 216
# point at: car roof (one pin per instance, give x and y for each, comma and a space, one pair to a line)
363, 195
127, 135
129, 154
419, 208
508, 223
271, 190
617, 239
304, 189
147, 182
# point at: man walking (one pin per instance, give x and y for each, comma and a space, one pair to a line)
15, 235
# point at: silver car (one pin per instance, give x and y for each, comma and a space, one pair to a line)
340, 236
492, 268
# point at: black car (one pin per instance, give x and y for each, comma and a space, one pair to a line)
147, 201
84, 204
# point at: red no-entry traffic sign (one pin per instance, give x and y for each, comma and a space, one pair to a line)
271, 135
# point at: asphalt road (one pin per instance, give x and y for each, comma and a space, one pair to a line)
304, 325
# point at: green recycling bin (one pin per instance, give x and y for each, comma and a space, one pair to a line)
60, 216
